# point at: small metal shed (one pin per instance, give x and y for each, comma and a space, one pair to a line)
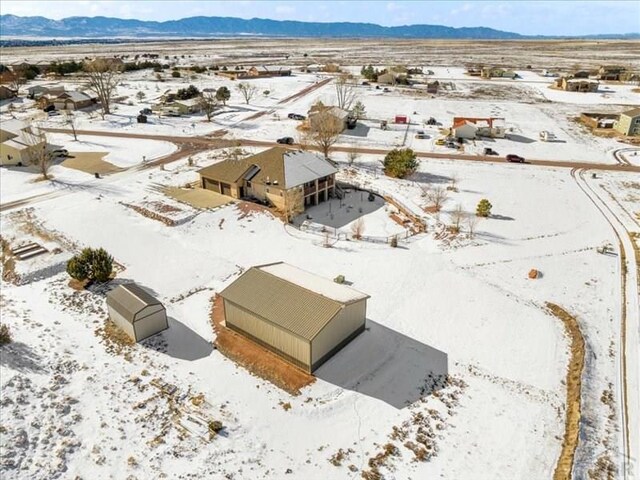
136, 312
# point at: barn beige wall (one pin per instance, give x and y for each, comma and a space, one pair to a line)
277, 338
347, 321
121, 322
151, 322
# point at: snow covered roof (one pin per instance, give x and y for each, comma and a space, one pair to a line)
302, 167
189, 102
75, 96
277, 166
291, 298
315, 283
14, 144
13, 126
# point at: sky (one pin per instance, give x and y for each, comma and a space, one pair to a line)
525, 17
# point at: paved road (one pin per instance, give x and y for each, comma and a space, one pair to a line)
212, 142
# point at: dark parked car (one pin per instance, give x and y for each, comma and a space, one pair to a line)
296, 116
49, 108
366, 83
146, 111
490, 151
515, 158
285, 140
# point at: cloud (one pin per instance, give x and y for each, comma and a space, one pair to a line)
285, 9
393, 7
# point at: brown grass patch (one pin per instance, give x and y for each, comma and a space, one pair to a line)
574, 386
254, 358
115, 340
249, 209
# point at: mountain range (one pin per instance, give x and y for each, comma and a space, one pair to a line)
201, 27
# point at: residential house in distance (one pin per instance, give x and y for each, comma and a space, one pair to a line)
74, 100
179, 107
610, 72
19, 143
319, 114
579, 74
6, 92
432, 87
288, 179
232, 74
36, 91
301, 317
496, 72
268, 71
576, 84
629, 123
471, 127
598, 120
474, 71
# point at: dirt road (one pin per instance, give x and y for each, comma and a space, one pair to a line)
222, 143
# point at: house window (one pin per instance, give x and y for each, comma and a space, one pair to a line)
248, 184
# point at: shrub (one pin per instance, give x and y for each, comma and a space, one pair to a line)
215, 426
102, 265
91, 264
175, 74
400, 163
77, 269
394, 241
5, 334
484, 208
223, 94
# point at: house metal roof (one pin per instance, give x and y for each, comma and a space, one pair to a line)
279, 166
290, 298
129, 299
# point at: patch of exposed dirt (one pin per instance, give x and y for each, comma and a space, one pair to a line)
254, 358
564, 465
249, 209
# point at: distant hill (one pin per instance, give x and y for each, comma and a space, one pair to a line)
201, 27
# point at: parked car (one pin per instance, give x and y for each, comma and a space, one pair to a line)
366, 83
146, 111
53, 113
451, 144
49, 108
421, 134
490, 151
515, 158
386, 90
286, 140
296, 116
440, 142
61, 152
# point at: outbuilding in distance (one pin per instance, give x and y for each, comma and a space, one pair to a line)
304, 318
136, 312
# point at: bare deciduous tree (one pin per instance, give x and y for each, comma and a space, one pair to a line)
472, 223
293, 203
208, 103
437, 196
346, 92
104, 78
453, 182
15, 80
39, 151
247, 91
357, 228
72, 121
353, 155
457, 216
324, 132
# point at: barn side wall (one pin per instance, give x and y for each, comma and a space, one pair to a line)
294, 349
345, 326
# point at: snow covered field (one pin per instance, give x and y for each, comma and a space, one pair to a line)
461, 365
495, 339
